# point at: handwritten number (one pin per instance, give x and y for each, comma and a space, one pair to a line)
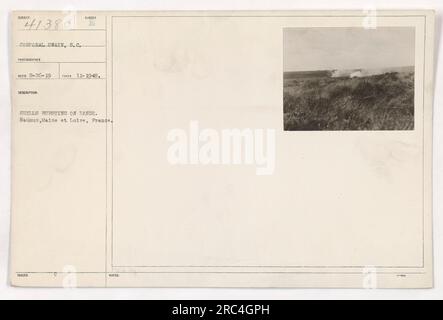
29, 25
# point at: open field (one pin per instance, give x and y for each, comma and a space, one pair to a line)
349, 100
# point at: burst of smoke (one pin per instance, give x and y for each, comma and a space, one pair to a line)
357, 73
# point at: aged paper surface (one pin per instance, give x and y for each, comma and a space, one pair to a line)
222, 149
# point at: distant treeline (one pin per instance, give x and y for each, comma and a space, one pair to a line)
306, 74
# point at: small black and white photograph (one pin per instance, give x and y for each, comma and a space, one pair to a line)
348, 78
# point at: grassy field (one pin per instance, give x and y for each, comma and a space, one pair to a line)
319, 101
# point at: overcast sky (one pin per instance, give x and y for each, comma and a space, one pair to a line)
348, 48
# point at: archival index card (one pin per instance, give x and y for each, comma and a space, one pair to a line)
222, 149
